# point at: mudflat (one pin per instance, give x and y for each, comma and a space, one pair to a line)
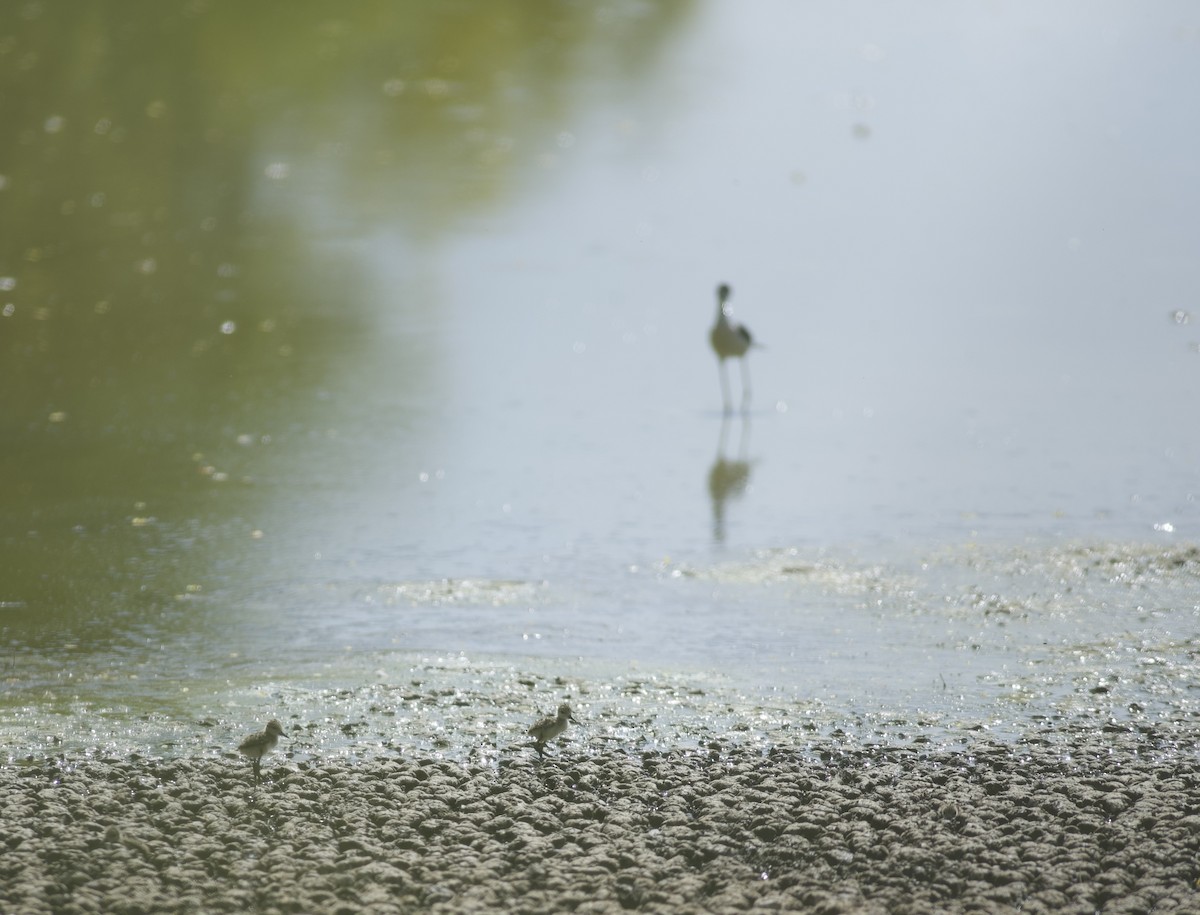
1104, 819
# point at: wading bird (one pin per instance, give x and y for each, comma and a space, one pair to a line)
256, 746
730, 340
549, 728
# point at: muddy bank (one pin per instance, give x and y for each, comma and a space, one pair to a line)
1103, 821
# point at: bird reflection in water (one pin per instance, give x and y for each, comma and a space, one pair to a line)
728, 478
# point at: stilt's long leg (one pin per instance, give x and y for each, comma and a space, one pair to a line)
728, 401
745, 383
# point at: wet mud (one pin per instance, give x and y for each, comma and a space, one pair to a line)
1099, 820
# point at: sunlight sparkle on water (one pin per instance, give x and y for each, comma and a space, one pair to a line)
466, 270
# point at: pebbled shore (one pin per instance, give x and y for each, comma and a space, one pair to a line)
1099, 821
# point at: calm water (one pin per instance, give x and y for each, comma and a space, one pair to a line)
386, 339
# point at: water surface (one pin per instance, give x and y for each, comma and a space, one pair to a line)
382, 345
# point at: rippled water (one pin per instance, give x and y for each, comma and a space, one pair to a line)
384, 359
781, 648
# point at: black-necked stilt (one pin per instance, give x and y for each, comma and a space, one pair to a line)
256, 746
549, 728
730, 341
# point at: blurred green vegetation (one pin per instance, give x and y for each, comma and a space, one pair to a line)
177, 182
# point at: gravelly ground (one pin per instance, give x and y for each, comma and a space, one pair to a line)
1098, 821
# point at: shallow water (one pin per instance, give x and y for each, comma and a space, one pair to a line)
387, 353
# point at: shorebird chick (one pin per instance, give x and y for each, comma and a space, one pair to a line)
256, 746
549, 728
